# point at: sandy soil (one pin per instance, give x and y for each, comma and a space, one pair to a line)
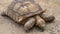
7, 26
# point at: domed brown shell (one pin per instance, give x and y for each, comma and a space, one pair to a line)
25, 8
18, 10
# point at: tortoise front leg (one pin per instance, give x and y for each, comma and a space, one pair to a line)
29, 24
40, 22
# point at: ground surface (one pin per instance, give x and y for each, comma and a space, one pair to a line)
7, 26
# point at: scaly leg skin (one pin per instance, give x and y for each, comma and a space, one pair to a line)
40, 22
29, 24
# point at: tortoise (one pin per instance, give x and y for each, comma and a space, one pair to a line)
27, 13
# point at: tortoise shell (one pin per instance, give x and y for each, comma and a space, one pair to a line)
19, 9
25, 8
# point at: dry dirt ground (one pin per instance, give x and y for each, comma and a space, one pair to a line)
7, 26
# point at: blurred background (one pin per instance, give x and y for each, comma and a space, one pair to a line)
7, 26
